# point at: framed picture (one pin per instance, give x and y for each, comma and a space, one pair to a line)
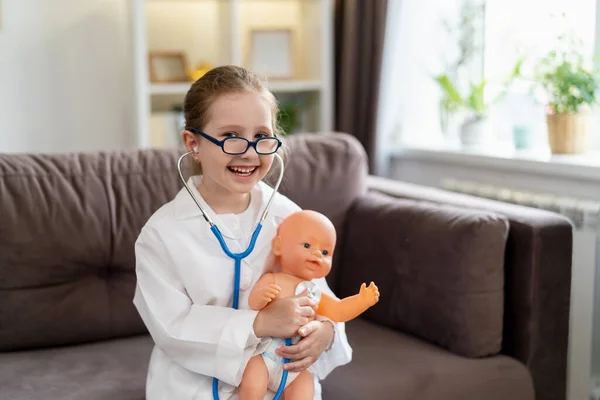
167, 66
271, 52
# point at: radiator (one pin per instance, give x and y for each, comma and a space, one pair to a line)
584, 336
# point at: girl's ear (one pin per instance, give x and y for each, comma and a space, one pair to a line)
277, 245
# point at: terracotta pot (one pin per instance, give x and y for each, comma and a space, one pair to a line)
568, 133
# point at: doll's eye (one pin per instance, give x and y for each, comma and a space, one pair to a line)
325, 252
306, 245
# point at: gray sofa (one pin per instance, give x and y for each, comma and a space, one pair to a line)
474, 293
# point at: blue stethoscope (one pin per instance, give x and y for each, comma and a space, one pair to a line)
238, 257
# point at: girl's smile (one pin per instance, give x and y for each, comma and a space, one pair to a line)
243, 172
228, 179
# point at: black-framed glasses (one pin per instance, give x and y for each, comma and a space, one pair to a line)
235, 145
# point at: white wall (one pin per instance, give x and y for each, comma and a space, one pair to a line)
66, 76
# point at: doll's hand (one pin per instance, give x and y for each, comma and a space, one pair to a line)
370, 294
317, 336
267, 294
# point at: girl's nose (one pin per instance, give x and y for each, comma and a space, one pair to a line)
250, 153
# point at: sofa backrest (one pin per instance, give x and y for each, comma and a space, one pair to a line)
67, 228
68, 224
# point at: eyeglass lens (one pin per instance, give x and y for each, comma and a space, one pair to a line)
239, 145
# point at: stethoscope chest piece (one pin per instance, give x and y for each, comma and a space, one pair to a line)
314, 292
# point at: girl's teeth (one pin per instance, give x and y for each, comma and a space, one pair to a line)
242, 171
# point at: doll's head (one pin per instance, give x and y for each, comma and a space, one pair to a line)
304, 245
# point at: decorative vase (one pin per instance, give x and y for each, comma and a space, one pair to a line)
568, 133
450, 123
523, 137
475, 133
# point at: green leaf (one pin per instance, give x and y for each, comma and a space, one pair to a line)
475, 100
450, 91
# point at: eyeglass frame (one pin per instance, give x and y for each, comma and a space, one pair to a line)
221, 143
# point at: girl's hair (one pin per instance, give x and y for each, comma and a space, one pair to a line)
225, 80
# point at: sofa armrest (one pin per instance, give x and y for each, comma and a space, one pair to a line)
439, 269
537, 276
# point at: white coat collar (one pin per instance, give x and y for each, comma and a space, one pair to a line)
185, 207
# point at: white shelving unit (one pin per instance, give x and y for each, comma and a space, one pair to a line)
217, 32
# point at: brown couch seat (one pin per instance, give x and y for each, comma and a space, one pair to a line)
112, 369
407, 369
411, 369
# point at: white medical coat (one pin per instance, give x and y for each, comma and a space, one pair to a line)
184, 295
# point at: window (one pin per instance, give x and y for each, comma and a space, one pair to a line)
422, 47
529, 28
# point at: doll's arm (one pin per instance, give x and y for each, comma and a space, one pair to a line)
263, 292
350, 307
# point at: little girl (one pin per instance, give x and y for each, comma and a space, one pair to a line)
185, 281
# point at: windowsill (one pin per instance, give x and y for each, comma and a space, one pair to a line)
580, 166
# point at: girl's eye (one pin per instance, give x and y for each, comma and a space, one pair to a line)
261, 135
325, 252
306, 245
229, 134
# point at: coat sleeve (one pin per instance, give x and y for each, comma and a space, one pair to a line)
209, 340
341, 352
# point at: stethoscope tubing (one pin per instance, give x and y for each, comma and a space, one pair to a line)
238, 257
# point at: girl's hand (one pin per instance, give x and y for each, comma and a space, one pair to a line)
317, 336
282, 318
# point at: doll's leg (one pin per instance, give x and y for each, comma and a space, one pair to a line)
255, 380
302, 388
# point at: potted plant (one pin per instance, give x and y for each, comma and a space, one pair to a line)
464, 103
571, 91
458, 54
290, 116
475, 129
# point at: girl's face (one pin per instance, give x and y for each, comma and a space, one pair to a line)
246, 115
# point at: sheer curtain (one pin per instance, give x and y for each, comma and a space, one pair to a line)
415, 44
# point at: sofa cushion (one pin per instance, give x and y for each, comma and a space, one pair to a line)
440, 270
68, 225
389, 365
114, 369
325, 172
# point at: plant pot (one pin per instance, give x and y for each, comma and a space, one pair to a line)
475, 133
568, 133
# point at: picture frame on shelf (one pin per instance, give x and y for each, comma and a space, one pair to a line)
168, 67
271, 52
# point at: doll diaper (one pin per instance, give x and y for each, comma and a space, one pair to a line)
274, 363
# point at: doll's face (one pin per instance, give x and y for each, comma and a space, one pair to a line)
305, 244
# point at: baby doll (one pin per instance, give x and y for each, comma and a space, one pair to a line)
303, 249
